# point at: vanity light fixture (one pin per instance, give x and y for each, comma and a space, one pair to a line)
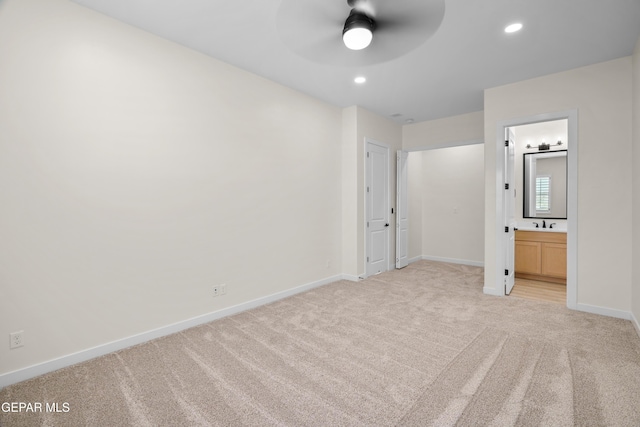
513, 28
543, 146
358, 30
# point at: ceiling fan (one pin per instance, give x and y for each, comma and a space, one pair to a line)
359, 26
336, 32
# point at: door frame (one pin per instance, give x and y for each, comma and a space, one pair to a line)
438, 146
509, 210
423, 148
387, 147
572, 198
402, 209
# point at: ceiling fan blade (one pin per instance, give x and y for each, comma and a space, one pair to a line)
313, 28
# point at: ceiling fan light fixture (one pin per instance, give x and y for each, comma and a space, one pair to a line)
513, 28
358, 30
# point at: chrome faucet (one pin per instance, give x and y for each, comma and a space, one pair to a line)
552, 224
544, 225
536, 224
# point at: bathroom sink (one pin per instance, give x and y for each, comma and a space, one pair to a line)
559, 229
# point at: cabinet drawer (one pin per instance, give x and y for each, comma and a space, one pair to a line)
541, 236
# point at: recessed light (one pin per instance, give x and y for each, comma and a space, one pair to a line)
360, 79
513, 28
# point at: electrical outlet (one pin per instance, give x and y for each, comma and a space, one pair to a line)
216, 291
17, 339
223, 289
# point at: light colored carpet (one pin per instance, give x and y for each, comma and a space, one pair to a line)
414, 347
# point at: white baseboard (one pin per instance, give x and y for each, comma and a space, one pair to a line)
415, 259
491, 291
350, 277
91, 353
620, 314
101, 350
636, 324
453, 260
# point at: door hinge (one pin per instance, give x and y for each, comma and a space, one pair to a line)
506, 229
367, 189
367, 224
506, 143
506, 186
506, 272
367, 259
367, 154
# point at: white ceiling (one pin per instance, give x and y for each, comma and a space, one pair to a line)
465, 51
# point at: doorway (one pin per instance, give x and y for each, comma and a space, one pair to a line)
443, 188
505, 246
538, 171
376, 207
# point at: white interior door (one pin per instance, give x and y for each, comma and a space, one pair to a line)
402, 212
377, 208
509, 210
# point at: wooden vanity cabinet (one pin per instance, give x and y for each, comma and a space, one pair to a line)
541, 255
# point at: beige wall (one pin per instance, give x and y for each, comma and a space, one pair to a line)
636, 187
453, 204
444, 132
137, 174
351, 172
601, 94
445, 174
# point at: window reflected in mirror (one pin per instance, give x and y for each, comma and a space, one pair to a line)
545, 185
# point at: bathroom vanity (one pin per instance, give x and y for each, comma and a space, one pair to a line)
541, 255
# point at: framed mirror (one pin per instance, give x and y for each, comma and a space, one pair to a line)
545, 185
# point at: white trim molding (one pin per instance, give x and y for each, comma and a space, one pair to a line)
492, 291
453, 260
572, 199
445, 145
636, 324
415, 259
101, 350
594, 309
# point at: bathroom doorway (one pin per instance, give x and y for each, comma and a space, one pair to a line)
543, 217
540, 210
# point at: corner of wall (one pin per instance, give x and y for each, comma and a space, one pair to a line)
349, 172
444, 132
636, 323
358, 124
635, 274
